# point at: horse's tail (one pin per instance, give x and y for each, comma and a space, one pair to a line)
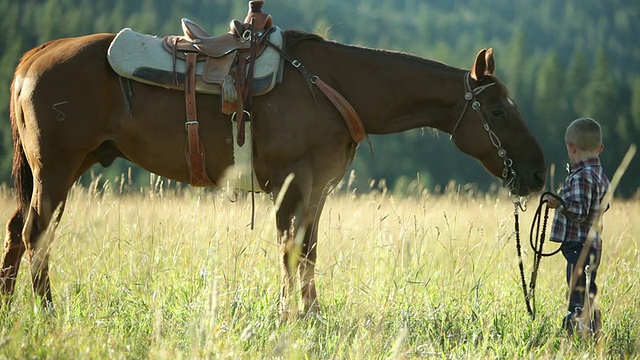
21, 171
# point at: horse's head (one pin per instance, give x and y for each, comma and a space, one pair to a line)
491, 129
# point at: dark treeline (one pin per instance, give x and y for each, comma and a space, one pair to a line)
561, 59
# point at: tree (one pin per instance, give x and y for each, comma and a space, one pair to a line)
550, 103
576, 81
635, 103
601, 94
515, 64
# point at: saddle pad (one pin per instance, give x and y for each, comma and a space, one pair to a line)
240, 175
142, 57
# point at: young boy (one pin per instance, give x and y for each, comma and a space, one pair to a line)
575, 215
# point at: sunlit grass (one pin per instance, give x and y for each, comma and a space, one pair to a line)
168, 273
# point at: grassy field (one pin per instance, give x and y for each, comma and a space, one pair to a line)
178, 274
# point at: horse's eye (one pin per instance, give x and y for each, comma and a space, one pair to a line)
498, 113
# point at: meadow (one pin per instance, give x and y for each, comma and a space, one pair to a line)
171, 273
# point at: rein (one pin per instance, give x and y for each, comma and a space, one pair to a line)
470, 96
537, 243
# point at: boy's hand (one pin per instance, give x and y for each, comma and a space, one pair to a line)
552, 202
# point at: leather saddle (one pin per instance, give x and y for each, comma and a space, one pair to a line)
197, 39
229, 58
240, 64
147, 59
232, 65
237, 51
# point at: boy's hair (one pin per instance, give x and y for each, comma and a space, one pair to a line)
585, 134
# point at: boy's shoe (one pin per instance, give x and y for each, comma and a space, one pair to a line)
573, 323
597, 325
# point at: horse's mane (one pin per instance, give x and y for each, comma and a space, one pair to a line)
292, 37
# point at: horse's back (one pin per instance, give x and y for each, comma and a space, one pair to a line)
45, 70
61, 51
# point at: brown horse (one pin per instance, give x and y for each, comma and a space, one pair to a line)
68, 113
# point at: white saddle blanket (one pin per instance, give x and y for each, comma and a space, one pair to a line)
131, 51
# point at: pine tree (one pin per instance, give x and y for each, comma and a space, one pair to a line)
635, 104
576, 81
601, 94
550, 104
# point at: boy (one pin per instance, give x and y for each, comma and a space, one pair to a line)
575, 215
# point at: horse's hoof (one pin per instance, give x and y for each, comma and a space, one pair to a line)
45, 308
315, 316
285, 316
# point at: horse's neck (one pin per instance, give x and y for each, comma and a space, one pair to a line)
394, 92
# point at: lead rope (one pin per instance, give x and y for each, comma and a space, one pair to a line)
537, 241
517, 205
537, 244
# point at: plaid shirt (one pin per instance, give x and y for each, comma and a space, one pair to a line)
582, 193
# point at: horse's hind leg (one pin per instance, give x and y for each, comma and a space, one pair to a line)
37, 243
25, 235
51, 185
13, 250
15, 244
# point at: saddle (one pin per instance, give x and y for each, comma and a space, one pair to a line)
246, 61
223, 52
145, 58
236, 65
230, 61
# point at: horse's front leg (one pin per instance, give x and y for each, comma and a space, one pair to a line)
298, 250
306, 268
308, 255
291, 201
289, 231
286, 240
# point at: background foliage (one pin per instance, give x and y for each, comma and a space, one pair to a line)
561, 59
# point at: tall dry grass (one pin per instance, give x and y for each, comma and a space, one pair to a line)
170, 273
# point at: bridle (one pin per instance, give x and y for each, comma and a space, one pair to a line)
536, 241
470, 96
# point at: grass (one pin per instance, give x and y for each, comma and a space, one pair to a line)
179, 274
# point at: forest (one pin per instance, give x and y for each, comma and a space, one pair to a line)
560, 59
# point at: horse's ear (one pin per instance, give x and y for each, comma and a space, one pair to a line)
491, 64
479, 65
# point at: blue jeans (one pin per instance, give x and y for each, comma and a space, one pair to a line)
571, 252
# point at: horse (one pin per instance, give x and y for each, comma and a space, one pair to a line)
68, 113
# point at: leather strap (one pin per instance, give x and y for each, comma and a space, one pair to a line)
245, 78
239, 114
344, 107
356, 128
194, 150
